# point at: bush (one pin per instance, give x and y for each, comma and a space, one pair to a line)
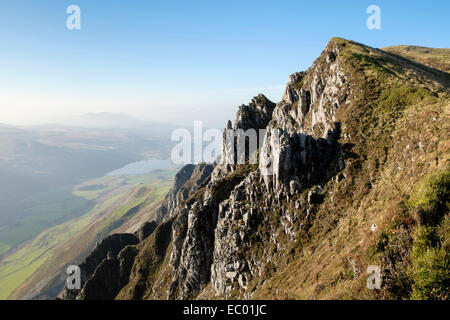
426, 237
422, 273
431, 198
431, 275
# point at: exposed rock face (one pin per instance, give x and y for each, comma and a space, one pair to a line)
291, 93
170, 201
187, 181
301, 140
236, 223
254, 116
296, 161
192, 254
145, 230
105, 250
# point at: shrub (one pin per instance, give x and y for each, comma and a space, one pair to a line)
431, 275
431, 198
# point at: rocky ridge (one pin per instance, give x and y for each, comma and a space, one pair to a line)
235, 230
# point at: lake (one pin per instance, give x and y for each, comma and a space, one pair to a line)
143, 166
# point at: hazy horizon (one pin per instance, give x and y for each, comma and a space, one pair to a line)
176, 62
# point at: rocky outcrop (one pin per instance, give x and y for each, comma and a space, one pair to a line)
292, 91
250, 120
148, 263
170, 201
256, 115
300, 147
105, 250
145, 230
236, 224
187, 181
193, 228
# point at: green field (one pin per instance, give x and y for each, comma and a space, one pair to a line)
52, 207
4, 247
115, 199
45, 209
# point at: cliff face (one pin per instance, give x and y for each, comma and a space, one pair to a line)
187, 182
343, 153
100, 271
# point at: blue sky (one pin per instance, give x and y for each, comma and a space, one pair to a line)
179, 61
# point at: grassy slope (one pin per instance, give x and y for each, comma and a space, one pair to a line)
3, 246
46, 208
63, 244
435, 58
398, 119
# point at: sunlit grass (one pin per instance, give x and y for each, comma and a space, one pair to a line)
47, 248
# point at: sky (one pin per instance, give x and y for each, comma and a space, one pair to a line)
180, 61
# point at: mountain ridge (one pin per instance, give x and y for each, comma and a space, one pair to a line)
362, 179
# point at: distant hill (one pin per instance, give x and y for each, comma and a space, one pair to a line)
431, 57
119, 121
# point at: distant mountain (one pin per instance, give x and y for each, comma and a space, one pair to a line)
7, 127
119, 121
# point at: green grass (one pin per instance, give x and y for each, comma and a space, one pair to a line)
104, 184
4, 247
433, 57
430, 272
15, 268
152, 176
22, 264
92, 189
46, 209
110, 211
430, 256
129, 209
431, 197
425, 274
17, 274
